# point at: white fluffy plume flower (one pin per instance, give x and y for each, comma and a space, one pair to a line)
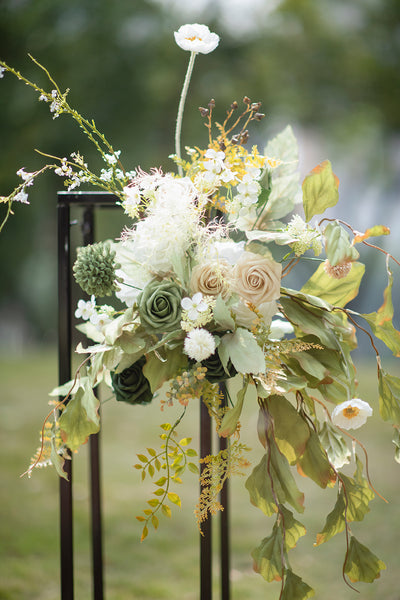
196, 38
199, 344
351, 414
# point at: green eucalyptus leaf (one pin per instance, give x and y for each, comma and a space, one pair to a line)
337, 245
231, 417
294, 530
335, 521
361, 564
335, 445
396, 442
284, 178
389, 397
79, 418
320, 190
381, 322
160, 367
244, 352
315, 464
267, 557
358, 494
295, 588
222, 315
311, 320
290, 430
57, 461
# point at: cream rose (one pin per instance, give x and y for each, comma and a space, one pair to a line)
211, 279
257, 279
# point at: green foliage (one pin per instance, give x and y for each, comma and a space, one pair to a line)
389, 397
337, 245
80, 418
244, 352
337, 293
352, 504
320, 190
295, 588
361, 564
172, 459
381, 322
231, 418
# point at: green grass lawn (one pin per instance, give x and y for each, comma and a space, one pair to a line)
165, 565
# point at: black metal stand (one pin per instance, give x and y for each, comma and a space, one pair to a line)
89, 201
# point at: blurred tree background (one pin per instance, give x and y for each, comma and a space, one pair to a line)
330, 69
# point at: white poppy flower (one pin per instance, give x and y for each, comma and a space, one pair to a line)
199, 344
196, 38
351, 414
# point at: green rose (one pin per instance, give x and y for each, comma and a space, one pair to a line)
131, 385
160, 306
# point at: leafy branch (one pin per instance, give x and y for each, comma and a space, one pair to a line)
173, 458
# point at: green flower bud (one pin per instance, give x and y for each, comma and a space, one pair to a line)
94, 269
131, 385
160, 306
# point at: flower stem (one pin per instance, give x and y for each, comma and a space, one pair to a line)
180, 109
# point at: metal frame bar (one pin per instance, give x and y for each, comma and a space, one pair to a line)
89, 201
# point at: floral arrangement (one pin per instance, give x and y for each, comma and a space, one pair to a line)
198, 273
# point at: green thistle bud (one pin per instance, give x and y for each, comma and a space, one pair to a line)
94, 269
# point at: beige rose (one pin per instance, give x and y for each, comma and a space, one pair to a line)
211, 279
257, 279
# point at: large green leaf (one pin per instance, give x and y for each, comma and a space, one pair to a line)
79, 418
258, 484
267, 557
295, 588
310, 320
389, 397
290, 430
294, 530
315, 464
244, 352
338, 292
162, 367
222, 315
358, 494
320, 190
284, 178
338, 246
352, 504
361, 564
381, 322
231, 417
335, 445
273, 469
335, 521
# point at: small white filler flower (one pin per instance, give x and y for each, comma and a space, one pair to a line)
196, 38
199, 344
194, 306
86, 309
351, 414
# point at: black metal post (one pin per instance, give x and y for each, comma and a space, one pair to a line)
88, 231
64, 374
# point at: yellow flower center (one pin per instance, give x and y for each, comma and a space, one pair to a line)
350, 412
194, 37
